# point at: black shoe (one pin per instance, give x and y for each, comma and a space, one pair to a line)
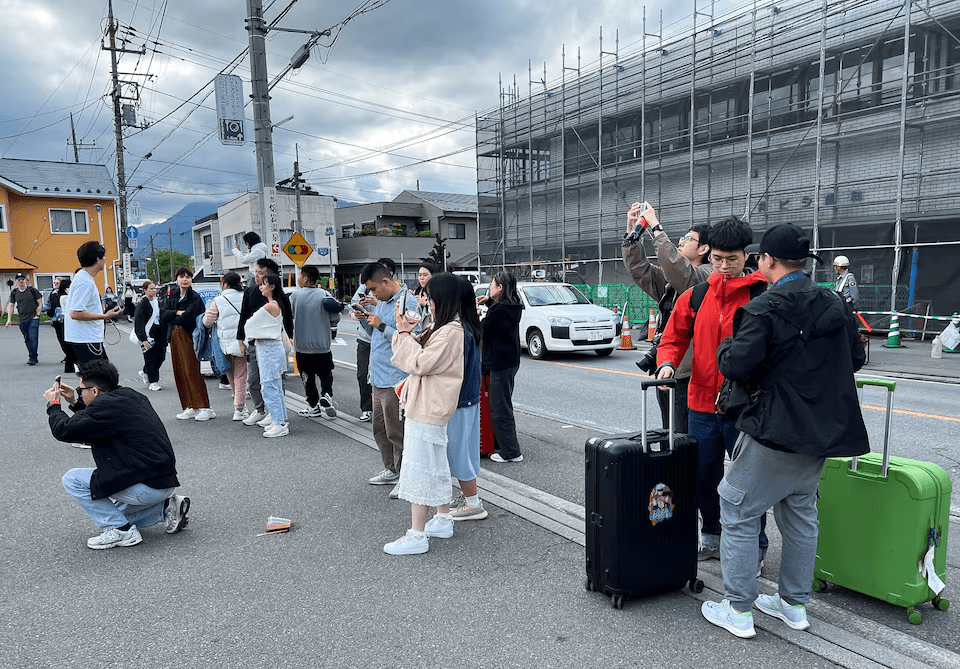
31, 362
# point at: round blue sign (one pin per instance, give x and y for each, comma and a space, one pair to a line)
132, 232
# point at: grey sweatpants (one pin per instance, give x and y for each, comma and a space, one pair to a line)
759, 478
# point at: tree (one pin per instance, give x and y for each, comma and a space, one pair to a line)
162, 263
439, 252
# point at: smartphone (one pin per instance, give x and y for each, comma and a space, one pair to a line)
409, 314
56, 381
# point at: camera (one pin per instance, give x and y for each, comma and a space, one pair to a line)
648, 362
635, 235
109, 304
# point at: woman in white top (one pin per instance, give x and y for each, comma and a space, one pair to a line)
147, 331
265, 328
256, 249
424, 273
225, 312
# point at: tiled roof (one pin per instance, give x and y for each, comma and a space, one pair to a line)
448, 201
41, 177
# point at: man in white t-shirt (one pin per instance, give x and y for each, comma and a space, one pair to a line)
83, 316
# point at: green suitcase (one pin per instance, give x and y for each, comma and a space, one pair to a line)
878, 517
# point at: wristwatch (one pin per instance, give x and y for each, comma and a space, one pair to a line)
655, 228
382, 326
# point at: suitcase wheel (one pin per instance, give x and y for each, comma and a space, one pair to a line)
941, 604
589, 585
818, 585
616, 601
696, 585
914, 616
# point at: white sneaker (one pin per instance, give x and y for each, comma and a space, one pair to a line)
266, 421
277, 430
395, 493
115, 537
794, 616
175, 515
312, 412
223, 386
411, 543
366, 416
143, 377
205, 414
326, 403
187, 414
254, 418
154, 386
240, 414
440, 526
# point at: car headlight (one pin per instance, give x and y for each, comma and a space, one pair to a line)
560, 321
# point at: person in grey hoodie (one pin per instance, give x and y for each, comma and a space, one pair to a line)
316, 315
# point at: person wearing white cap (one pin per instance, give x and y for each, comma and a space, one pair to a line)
846, 283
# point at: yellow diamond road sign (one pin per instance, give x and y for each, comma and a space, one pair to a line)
297, 249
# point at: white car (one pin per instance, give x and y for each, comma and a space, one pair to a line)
558, 317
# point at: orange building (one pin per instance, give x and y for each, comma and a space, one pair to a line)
47, 210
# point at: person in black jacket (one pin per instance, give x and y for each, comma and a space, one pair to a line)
147, 330
61, 285
795, 348
253, 299
501, 361
178, 318
136, 474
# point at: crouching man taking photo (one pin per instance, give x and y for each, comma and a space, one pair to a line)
132, 485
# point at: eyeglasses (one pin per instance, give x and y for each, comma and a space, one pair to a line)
728, 261
687, 238
80, 389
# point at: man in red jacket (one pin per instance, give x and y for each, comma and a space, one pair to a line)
705, 326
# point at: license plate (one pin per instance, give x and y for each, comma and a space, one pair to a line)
594, 336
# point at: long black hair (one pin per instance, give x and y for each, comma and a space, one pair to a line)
468, 310
444, 289
508, 282
276, 292
251, 239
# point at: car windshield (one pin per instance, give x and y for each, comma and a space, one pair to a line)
542, 296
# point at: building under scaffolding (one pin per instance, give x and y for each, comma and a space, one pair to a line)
841, 117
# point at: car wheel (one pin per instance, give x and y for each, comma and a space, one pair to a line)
538, 350
604, 352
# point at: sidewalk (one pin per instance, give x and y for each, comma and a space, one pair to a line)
913, 361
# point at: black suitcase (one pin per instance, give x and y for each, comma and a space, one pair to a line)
641, 510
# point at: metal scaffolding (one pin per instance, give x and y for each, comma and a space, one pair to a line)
782, 113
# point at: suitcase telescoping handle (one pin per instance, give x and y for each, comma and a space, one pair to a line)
890, 386
671, 383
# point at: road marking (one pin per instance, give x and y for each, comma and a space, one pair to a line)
594, 369
905, 412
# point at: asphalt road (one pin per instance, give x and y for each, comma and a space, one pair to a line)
504, 592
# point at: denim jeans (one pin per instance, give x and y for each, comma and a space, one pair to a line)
138, 505
31, 336
759, 478
271, 361
716, 435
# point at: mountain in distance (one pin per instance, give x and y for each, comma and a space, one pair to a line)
179, 226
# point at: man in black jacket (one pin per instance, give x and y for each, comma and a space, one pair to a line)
136, 472
795, 347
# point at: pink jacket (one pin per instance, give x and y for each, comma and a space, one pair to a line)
431, 391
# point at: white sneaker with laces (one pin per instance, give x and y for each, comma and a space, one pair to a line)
326, 403
143, 377
411, 543
205, 414
722, 615
395, 493
175, 515
266, 421
440, 526
366, 416
277, 430
187, 414
223, 386
386, 477
496, 457
115, 537
254, 418
311, 412
795, 616
240, 414
154, 387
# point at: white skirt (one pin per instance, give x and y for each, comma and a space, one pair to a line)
424, 471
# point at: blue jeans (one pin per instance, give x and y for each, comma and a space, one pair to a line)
271, 362
759, 478
138, 505
31, 336
716, 435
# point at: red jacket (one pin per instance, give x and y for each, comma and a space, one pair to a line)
707, 328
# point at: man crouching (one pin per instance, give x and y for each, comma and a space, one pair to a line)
136, 473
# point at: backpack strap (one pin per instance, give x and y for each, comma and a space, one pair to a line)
700, 291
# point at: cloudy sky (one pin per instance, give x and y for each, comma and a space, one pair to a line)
388, 102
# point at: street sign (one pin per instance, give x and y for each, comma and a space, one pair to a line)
229, 99
132, 232
132, 242
297, 249
330, 231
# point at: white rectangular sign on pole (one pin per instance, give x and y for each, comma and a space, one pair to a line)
274, 243
229, 95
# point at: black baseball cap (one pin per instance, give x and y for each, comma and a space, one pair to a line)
21, 275
788, 242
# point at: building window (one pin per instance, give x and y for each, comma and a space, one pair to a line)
457, 230
68, 221
3, 218
310, 235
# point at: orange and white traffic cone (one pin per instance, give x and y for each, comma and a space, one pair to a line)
626, 341
651, 326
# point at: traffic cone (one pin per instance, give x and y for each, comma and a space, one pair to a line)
893, 339
626, 341
651, 326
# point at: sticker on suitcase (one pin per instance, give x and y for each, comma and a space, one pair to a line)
661, 504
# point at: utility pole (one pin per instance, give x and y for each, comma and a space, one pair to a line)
73, 135
156, 265
170, 240
263, 129
296, 187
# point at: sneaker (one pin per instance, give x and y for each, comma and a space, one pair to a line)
722, 615
277, 430
467, 512
75, 445
205, 414
266, 421
496, 457
187, 414
708, 553
240, 414
326, 403
154, 387
115, 537
794, 616
143, 377
386, 477
254, 418
439, 526
411, 543
366, 416
175, 513
395, 493
223, 386
457, 502
31, 362
312, 412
